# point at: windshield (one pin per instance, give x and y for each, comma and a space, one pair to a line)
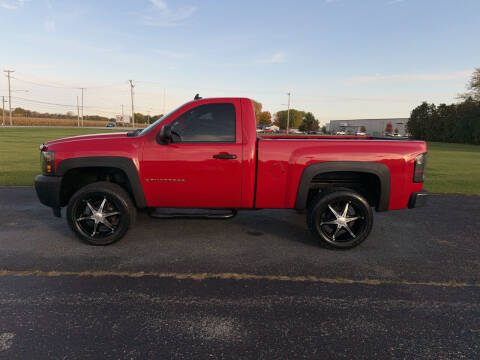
151, 126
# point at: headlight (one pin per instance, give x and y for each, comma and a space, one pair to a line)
47, 162
419, 170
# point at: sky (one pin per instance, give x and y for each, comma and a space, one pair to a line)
340, 59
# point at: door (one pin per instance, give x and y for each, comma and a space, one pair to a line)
201, 168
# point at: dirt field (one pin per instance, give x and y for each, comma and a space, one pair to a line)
31, 121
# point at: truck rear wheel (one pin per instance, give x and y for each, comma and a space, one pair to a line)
340, 219
100, 213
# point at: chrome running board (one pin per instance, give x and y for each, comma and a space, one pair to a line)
171, 213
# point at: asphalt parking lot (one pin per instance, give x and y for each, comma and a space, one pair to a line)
256, 286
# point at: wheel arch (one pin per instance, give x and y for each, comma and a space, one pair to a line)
379, 170
120, 164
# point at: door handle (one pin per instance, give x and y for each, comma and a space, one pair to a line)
224, 156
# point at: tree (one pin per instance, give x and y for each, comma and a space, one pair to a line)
309, 123
140, 118
451, 123
363, 129
296, 118
155, 118
420, 116
473, 87
324, 129
395, 131
264, 118
389, 128
257, 108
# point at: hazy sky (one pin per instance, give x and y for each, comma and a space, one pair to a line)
340, 59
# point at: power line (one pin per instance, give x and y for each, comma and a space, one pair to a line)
55, 106
62, 86
45, 85
42, 102
23, 101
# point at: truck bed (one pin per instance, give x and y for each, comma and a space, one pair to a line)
330, 137
282, 159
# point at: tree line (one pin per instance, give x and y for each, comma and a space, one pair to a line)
301, 120
458, 123
298, 119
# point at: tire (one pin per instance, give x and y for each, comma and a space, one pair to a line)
85, 209
335, 230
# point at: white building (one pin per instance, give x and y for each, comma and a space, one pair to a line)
373, 127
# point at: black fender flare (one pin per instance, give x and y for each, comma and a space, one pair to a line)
378, 169
123, 163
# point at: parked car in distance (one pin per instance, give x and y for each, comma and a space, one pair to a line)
361, 133
110, 124
207, 155
340, 133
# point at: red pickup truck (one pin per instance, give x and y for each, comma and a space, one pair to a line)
206, 155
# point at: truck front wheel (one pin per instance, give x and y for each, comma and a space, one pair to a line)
100, 213
340, 219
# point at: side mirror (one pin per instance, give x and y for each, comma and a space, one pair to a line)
164, 136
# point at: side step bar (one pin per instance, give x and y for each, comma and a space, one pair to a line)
171, 213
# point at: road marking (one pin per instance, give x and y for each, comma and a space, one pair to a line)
233, 276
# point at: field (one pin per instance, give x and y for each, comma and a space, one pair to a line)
32, 121
451, 168
19, 153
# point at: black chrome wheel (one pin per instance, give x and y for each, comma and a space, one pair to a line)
97, 217
340, 219
100, 213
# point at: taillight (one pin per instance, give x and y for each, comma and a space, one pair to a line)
419, 169
47, 162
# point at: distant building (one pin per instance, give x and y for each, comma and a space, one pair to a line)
123, 119
373, 127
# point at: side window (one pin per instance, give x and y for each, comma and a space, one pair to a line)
206, 123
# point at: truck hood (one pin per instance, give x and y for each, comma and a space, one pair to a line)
107, 136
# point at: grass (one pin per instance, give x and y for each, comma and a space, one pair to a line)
19, 153
451, 168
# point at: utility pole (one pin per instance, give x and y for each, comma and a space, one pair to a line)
9, 95
122, 112
131, 95
288, 112
82, 104
3, 111
78, 114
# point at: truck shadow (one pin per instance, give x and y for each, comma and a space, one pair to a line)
262, 225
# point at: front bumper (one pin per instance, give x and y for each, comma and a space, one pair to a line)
48, 191
418, 199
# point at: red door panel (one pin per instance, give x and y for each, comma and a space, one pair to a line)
194, 174
187, 175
